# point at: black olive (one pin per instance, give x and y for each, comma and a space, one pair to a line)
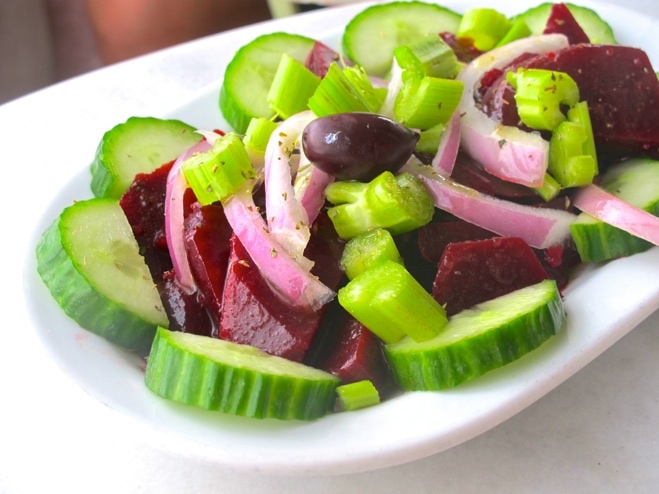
358, 146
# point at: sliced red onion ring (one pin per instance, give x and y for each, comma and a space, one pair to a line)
504, 151
539, 227
612, 210
283, 272
174, 216
310, 183
449, 145
288, 221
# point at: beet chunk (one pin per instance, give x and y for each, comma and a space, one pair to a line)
475, 271
354, 353
620, 87
561, 21
144, 206
207, 236
435, 237
254, 314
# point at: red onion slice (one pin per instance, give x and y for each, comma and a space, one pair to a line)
504, 151
310, 184
606, 207
174, 217
283, 272
449, 145
288, 221
539, 227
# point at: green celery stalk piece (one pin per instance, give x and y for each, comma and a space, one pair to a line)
429, 139
422, 104
367, 250
391, 303
567, 162
518, 30
337, 94
291, 87
360, 394
485, 27
397, 203
216, 174
539, 94
428, 56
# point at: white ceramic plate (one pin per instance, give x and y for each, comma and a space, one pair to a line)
603, 304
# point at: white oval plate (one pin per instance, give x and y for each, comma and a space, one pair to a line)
603, 304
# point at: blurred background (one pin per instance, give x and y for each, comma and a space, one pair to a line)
46, 41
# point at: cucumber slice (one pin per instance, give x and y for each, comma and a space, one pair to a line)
635, 181
478, 340
237, 379
596, 28
250, 73
89, 260
372, 35
139, 145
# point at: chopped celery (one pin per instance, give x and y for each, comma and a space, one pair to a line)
485, 27
567, 162
572, 156
367, 250
397, 203
258, 134
291, 88
579, 113
426, 102
518, 30
360, 394
429, 139
392, 304
339, 93
429, 56
219, 172
550, 188
539, 94
357, 77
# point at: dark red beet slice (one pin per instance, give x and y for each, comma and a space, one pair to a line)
620, 86
354, 354
254, 314
559, 261
207, 236
321, 57
475, 271
185, 311
435, 236
561, 21
144, 206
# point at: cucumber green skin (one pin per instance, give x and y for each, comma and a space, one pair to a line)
372, 35
635, 181
250, 74
598, 241
235, 379
83, 303
139, 145
597, 30
509, 327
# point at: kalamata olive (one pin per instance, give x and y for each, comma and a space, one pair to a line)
358, 146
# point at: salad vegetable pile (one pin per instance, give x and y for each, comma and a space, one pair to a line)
401, 212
